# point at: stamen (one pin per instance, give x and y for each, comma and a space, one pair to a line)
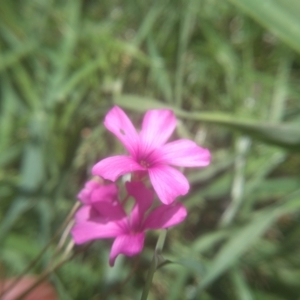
144, 164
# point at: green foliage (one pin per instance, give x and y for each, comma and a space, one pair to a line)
234, 87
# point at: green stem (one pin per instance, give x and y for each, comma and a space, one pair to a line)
42, 252
154, 263
43, 277
67, 255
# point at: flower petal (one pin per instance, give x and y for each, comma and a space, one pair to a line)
85, 194
184, 153
158, 125
110, 211
112, 167
142, 194
83, 213
168, 183
87, 231
128, 245
101, 212
165, 216
104, 193
144, 199
119, 124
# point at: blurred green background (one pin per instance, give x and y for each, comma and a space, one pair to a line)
230, 70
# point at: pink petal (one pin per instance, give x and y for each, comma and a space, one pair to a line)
142, 194
94, 191
110, 211
166, 216
168, 183
119, 124
128, 245
83, 213
113, 167
85, 194
144, 199
87, 231
101, 212
184, 153
108, 193
158, 125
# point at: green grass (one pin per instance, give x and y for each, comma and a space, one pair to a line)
230, 72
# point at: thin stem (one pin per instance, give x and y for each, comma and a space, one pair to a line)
161, 241
43, 277
33, 263
64, 236
123, 202
154, 263
67, 255
117, 287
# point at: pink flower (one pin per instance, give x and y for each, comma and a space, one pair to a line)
95, 189
149, 152
107, 219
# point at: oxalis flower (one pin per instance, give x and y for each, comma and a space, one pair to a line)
105, 218
150, 153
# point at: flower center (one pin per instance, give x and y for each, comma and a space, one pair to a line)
144, 164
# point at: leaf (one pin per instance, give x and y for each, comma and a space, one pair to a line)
244, 238
10, 154
242, 289
281, 17
32, 173
159, 72
241, 240
137, 103
206, 242
14, 56
64, 56
196, 266
18, 207
280, 134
